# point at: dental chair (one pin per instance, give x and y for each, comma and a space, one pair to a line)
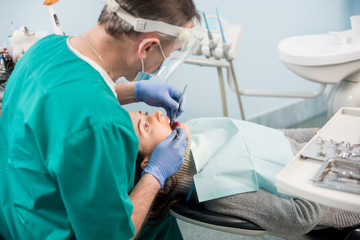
194, 213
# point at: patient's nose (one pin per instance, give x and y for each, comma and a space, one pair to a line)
159, 115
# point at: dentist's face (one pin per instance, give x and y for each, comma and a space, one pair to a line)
150, 129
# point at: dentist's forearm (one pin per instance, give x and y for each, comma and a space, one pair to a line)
125, 93
142, 197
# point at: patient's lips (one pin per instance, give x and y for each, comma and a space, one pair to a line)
175, 125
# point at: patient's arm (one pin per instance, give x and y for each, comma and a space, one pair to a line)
271, 212
300, 135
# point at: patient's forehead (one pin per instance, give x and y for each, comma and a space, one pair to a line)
135, 117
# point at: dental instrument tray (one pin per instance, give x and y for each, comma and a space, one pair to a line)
323, 150
335, 144
339, 174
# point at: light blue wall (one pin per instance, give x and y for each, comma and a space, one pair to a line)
356, 7
265, 23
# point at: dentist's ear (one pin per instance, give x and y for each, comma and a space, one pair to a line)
146, 45
144, 163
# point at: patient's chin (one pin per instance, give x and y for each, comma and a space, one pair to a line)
186, 127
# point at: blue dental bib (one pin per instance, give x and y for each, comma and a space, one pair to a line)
234, 156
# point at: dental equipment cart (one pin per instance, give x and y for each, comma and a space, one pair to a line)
297, 178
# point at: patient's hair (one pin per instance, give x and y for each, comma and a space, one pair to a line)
175, 12
163, 200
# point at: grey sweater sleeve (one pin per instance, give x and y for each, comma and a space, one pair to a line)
298, 137
272, 213
282, 215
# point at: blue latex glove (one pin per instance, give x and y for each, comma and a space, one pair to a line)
160, 95
168, 156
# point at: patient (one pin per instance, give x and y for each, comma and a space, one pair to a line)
280, 215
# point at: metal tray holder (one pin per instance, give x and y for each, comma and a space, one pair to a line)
340, 174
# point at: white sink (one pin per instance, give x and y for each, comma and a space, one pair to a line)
325, 58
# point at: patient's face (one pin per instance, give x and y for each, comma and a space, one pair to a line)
150, 129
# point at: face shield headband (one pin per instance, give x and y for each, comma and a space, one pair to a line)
187, 39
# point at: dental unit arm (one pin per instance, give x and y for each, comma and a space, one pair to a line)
222, 42
220, 47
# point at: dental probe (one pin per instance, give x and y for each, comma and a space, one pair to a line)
181, 98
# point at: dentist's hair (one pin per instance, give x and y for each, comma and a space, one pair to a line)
175, 12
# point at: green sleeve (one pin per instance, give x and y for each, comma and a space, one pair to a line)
94, 173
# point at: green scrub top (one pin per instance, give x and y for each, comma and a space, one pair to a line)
67, 150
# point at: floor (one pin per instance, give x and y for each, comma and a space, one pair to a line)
193, 232
316, 122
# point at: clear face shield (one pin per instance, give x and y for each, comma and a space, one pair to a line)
180, 52
187, 39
